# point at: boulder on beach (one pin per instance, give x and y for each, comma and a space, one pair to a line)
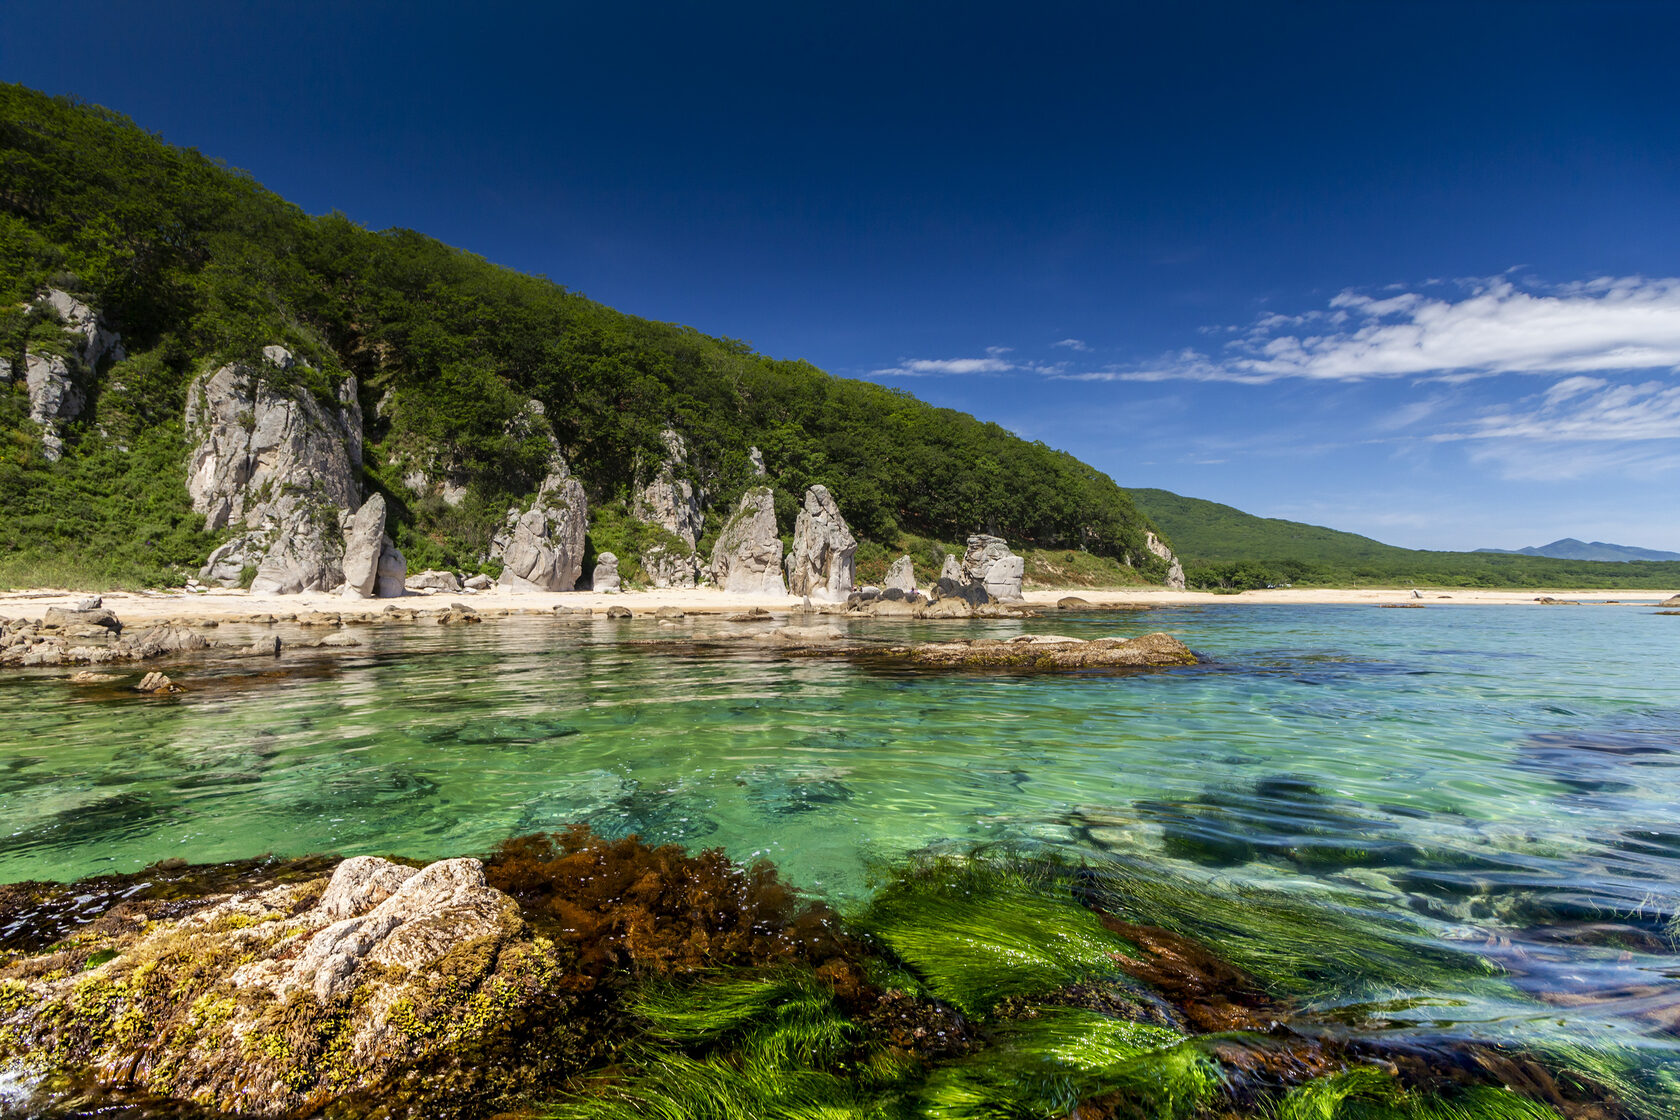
821, 563
901, 575
747, 558
605, 576
988, 563
433, 580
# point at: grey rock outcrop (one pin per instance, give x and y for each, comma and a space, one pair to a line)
373, 568
756, 458
951, 569
670, 501
226, 565
57, 382
901, 574
433, 580
668, 568
1175, 570
988, 563
605, 577
822, 562
272, 459
748, 556
541, 549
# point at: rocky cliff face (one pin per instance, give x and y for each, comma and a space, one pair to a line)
821, 563
274, 461
58, 383
670, 501
748, 556
1175, 570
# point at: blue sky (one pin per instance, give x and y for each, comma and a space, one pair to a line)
1404, 268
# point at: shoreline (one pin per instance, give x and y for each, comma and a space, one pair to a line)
219, 603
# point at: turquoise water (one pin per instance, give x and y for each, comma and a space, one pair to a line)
1488, 772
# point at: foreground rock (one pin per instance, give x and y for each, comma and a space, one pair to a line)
1054, 652
747, 558
280, 1000
822, 562
93, 637
271, 459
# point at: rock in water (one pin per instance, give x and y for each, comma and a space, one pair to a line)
541, 549
822, 563
989, 563
669, 501
901, 575
1175, 570
270, 457
605, 576
748, 556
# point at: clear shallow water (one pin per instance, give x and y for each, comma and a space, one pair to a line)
1488, 771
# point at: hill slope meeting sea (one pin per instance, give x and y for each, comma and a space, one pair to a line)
1224, 548
937, 852
161, 314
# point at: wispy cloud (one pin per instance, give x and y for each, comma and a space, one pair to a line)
1585, 409
995, 361
1074, 344
1487, 327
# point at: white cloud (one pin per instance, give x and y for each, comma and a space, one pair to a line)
1076, 344
945, 367
1586, 408
1608, 324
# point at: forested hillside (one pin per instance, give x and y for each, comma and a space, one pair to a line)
195, 265
1223, 547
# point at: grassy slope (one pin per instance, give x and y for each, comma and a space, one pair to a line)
1223, 545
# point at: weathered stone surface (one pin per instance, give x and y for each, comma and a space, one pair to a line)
58, 382
605, 577
479, 582
666, 568
748, 556
1072, 603
269, 457
756, 458
822, 561
541, 549
1671, 601
1175, 570
226, 565
901, 574
62, 618
89, 638
951, 569
373, 566
616, 613
433, 580
989, 563
1054, 652
973, 594
668, 500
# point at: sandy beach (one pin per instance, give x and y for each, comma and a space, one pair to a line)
221, 604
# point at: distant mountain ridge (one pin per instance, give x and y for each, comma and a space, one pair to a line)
1571, 549
1223, 547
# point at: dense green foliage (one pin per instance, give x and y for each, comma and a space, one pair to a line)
1222, 547
196, 264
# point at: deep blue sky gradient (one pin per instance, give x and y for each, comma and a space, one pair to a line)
869, 185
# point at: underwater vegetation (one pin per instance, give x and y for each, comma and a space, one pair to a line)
643, 981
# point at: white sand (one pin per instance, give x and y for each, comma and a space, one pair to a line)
139, 606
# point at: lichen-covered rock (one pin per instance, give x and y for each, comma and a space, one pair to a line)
605, 577
822, 561
1054, 652
541, 548
670, 501
989, 564
270, 457
1175, 570
901, 574
283, 999
747, 558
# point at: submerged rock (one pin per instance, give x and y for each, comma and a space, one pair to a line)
1054, 652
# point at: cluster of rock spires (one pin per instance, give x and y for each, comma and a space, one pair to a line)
280, 466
